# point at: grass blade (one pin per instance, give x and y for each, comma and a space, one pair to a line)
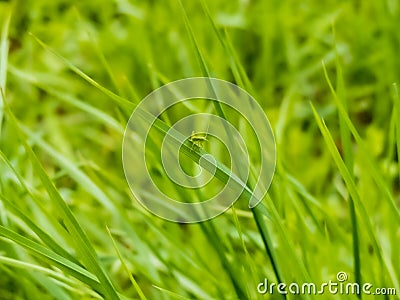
53, 274
44, 253
171, 294
372, 166
45, 238
257, 216
360, 209
396, 100
3, 65
81, 242
237, 68
131, 278
349, 161
119, 100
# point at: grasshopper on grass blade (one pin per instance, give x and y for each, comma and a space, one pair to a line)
197, 139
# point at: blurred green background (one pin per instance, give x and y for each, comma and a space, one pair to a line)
332, 206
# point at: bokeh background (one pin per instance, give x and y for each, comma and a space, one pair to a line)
72, 72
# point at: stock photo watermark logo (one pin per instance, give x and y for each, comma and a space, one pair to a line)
143, 168
341, 286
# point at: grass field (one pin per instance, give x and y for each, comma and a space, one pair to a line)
325, 73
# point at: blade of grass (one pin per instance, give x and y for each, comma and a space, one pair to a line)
217, 105
238, 71
250, 262
42, 235
46, 271
351, 186
131, 278
302, 191
259, 220
3, 64
396, 100
240, 290
283, 233
343, 170
45, 238
74, 171
371, 165
81, 242
212, 234
98, 50
119, 100
66, 97
171, 294
192, 286
44, 253
266, 237
203, 65
164, 235
349, 162
57, 289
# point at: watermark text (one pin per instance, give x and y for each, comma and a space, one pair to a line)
338, 287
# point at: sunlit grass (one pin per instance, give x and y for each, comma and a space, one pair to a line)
326, 74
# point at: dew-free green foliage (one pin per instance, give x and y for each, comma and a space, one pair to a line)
326, 74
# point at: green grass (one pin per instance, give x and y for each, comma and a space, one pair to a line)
325, 73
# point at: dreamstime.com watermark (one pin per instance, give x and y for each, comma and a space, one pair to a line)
339, 287
143, 175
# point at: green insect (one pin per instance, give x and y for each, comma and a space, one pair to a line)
197, 139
